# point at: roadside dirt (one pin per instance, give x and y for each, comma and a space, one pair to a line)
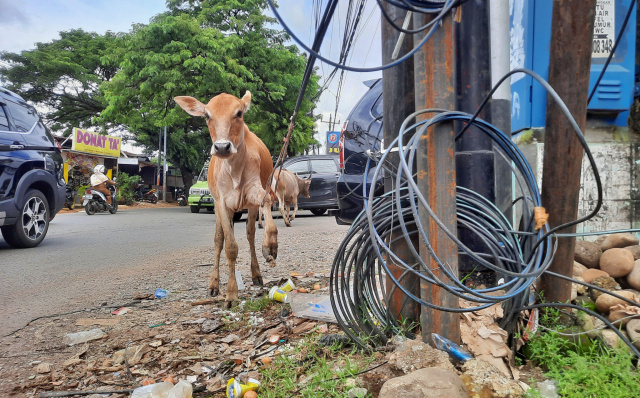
170, 336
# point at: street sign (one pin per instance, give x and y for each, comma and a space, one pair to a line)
333, 139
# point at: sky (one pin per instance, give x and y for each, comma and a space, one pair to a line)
24, 23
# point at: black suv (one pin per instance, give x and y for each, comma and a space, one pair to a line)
324, 173
361, 134
32, 189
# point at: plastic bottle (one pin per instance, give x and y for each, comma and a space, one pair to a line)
182, 389
159, 390
83, 337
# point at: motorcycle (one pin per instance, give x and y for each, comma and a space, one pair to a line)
94, 201
70, 197
140, 195
181, 198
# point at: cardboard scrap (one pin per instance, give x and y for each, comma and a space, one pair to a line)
485, 339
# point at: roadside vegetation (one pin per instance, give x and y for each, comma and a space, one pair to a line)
582, 367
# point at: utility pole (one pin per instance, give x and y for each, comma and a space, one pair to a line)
474, 149
398, 99
164, 169
501, 100
434, 75
159, 156
569, 68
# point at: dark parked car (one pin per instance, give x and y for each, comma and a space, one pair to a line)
32, 189
324, 173
361, 134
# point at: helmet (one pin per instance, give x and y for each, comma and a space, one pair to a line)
99, 169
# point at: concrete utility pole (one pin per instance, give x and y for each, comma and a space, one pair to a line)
434, 73
569, 68
398, 101
501, 100
164, 169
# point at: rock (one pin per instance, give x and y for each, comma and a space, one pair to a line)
633, 279
604, 282
633, 330
375, 379
44, 367
612, 340
590, 324
635, 250
606, 301
619, 241
485, 380
591, 274
413, 355
616, 262
425, 383
588, 253
357, 393
622, 314
578, 269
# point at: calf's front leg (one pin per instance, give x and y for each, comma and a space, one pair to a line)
256, 277
214, 279
225, 217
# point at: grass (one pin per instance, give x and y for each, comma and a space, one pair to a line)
582, 368
315, 370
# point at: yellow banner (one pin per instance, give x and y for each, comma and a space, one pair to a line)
90, 142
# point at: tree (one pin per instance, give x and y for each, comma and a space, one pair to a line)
203, 48
62, 77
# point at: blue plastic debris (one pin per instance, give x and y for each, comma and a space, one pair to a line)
161, 293
450, 348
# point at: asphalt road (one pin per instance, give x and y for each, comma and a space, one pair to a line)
87, 261
82, 255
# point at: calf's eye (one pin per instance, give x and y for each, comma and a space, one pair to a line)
239, 114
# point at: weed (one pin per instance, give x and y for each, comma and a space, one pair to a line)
257, 304
582, 369
314, 370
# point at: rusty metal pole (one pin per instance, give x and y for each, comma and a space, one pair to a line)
398, 103
434, 72
569, 67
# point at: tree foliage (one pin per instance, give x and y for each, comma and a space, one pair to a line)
62, 77
199, 48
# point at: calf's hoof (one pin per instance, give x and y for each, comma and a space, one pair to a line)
257, 281
271, 262
288, 224
213, 291
260, 226
227, 304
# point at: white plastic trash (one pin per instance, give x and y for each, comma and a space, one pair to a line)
158, 390
182, 389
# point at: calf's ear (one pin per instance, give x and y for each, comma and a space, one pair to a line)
247, 100
191, 105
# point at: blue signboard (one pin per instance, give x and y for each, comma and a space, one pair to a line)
333, 142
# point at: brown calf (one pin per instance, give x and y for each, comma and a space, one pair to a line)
239, 170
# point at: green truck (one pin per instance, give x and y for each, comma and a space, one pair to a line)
200, 196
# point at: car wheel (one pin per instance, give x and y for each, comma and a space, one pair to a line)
90, 208
318, 212
33, 223
195, 209
209, 209
237, 216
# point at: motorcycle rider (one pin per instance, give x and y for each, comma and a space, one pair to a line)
99, 182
